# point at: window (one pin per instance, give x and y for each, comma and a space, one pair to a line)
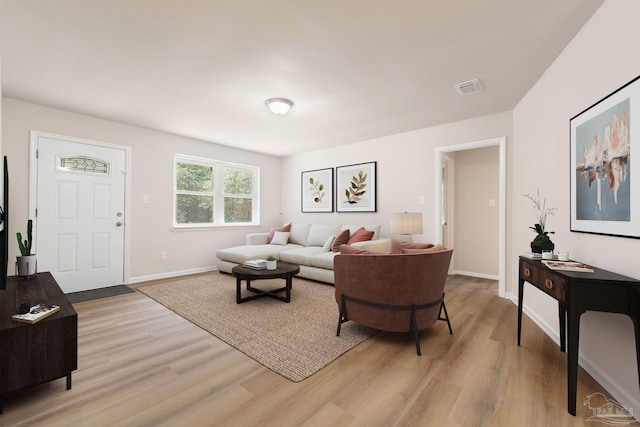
82, 164
213, 193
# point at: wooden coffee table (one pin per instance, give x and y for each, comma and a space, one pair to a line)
284, 271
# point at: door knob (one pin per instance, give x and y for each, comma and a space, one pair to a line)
119, 223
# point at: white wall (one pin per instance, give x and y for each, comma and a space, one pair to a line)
151, 174
405, 171
603, 56
1, 118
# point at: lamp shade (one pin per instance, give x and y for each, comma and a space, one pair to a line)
279, 106
406, 222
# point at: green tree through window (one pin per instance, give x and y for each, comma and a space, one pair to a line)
194, 198
199, 200
238, 184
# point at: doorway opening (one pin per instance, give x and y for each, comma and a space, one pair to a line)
441, 159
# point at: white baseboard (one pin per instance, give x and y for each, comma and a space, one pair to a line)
478, 275
171, 274
598, 374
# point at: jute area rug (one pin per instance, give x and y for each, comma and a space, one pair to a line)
294, 340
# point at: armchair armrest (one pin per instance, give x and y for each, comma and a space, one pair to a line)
257, 238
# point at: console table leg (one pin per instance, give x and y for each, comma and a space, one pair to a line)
562, 314
636, 329
520, 295
572, 358
69, 381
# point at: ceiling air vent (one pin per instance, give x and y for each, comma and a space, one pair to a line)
468, 88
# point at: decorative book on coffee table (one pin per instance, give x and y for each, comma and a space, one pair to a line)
258, 264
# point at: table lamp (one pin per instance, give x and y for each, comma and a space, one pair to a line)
406, 223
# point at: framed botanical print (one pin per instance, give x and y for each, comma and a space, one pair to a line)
317, 190
605, 183
356, 188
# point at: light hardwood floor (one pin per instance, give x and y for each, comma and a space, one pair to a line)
142, 365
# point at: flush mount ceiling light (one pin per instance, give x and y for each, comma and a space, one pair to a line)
279, 106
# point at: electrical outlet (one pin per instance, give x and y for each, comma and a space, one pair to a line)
163, 255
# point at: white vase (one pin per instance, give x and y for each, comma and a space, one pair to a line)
272, 265
26, 265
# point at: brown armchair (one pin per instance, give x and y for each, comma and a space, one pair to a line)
393, 292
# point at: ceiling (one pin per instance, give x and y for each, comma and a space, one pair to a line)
355, 70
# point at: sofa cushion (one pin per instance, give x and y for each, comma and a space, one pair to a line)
361, 235
341, 239
318, 234
301, 255
284, 228
280, 238
240, 254
397, 246
323, 260
299, 234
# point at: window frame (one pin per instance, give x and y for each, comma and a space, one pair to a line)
217, 193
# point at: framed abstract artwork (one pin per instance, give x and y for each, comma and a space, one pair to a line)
356, 188
605, 184
317, 190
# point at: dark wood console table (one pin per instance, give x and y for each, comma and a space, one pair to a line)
32, 354
576, 293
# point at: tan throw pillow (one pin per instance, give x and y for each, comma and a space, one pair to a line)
351, 250
397, 246
340, 239
285, 228
280, 238
361, 235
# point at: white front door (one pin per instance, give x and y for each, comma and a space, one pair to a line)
80, 212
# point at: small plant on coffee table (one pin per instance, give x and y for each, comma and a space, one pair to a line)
272, 264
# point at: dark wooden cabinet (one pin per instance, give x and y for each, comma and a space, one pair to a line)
32, 354
577, 292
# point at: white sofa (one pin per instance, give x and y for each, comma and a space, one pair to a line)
309, 246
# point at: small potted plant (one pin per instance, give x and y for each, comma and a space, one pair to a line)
272, 263
26, 261
542, 241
